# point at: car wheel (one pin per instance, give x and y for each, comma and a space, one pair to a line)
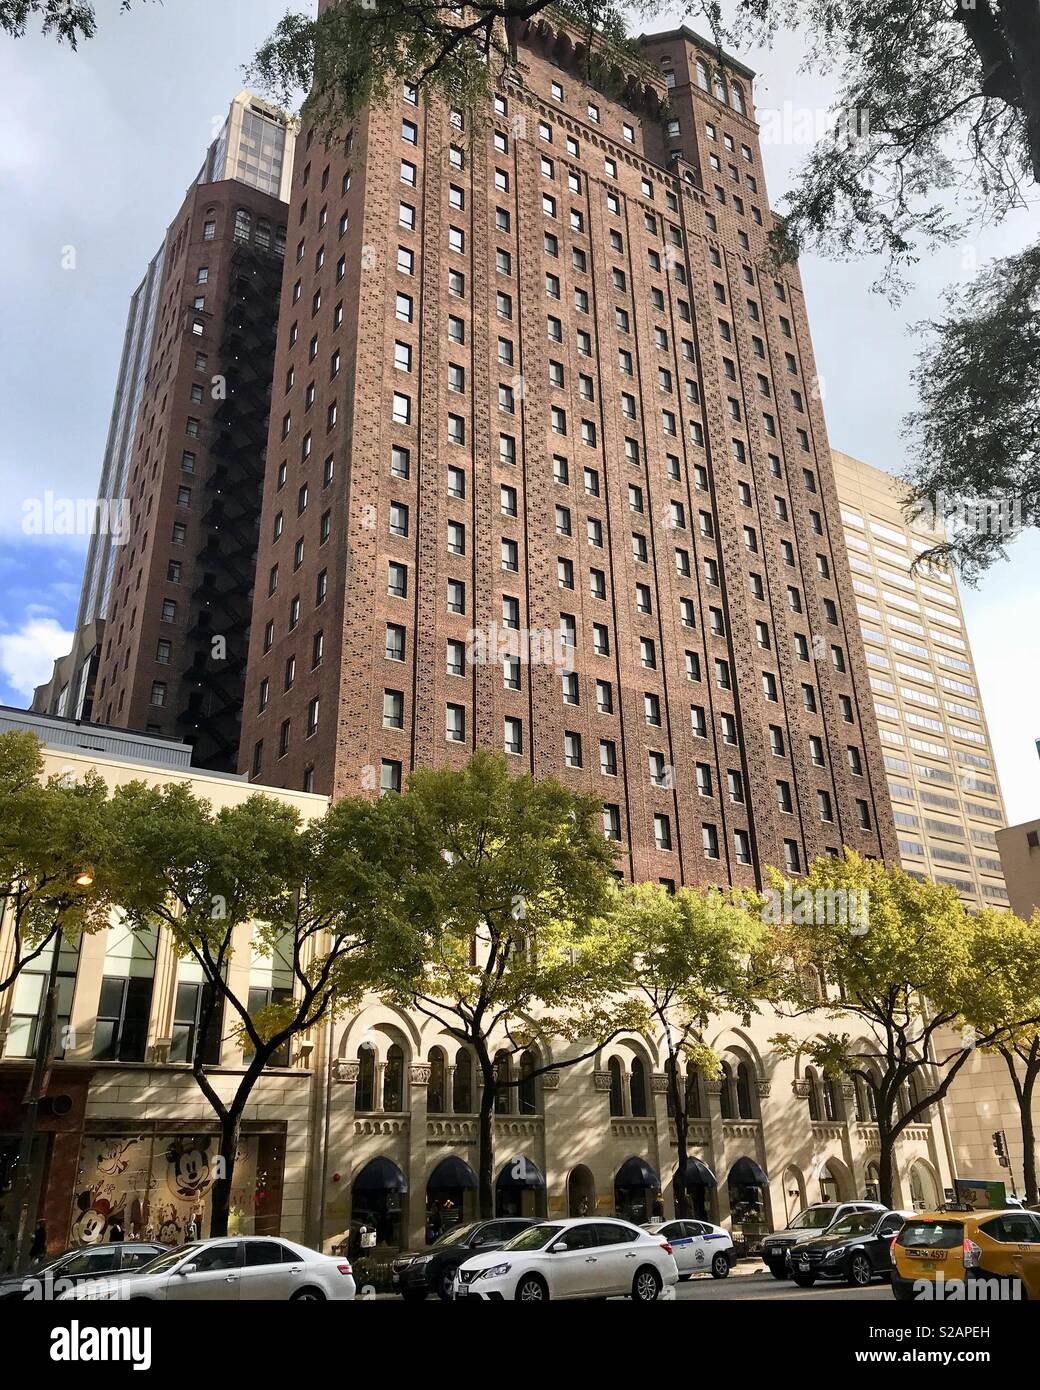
446, 1285
414, 1295
860, 1272
646, 1286
780, 1273
532, 1289
720, 1267
902, 1292
804, 1281
308, 1296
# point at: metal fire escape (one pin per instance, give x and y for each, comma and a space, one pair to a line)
218, 640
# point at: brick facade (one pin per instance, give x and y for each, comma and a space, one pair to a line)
690, 346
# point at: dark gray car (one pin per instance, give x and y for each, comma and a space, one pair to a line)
53, 1276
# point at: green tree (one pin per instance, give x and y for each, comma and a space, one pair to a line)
68, 20
511, 923
330, 900
1021, 1054
919, 980
691, 956
53, 832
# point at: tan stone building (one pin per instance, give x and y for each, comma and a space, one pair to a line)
942, 773
375, 1120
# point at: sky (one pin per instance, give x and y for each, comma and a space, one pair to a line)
99, 147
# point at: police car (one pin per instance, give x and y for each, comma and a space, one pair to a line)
698, 1247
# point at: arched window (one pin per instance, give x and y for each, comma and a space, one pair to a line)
814, 1094
243, 224
637, 1087
702, 75
435, 1092
726, 1096
617, 1102
693, 1094
670, 1071
527, 1090
504, 1096
744, 1109
720, 85
393, 1078
462, 1084
263, 234
736, 96
831, 1103
365, 1095
917, 1094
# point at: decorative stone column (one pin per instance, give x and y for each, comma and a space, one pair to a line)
665, 1166
336, 1199
548, 1085
419, 1079
719, 1158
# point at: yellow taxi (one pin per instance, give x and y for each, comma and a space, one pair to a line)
963, 1246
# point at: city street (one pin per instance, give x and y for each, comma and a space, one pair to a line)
704, 1289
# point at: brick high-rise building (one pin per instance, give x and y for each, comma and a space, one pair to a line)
163, 624
530, 380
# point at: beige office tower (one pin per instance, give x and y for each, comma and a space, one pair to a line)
942, 775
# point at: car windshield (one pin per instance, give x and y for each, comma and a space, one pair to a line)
534, 1238
167, 1260
855, 1223
813, 1219
454, 1235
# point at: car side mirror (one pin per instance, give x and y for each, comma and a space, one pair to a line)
558, 1248
188, 1269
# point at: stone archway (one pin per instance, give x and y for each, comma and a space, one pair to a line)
581, 1192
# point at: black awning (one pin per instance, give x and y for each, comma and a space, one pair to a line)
452, 1172
636, 1172
697, 1174
520, 1173
746, 1173
381, 1175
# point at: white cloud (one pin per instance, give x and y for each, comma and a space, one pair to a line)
27, 654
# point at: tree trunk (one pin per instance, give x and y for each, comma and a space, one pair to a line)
1028, 1137
220, 1200
682, 1131
486, 1141
1021, 21
885, 1165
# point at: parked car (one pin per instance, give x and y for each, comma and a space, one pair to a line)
698, 1247
416, 1274
968, 1245
810, 1221
580, 1258
857, 1248
53, 1276
246, 1269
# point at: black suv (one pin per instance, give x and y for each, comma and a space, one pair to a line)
52, 1276
777, 1248
416, 1274
856, 1248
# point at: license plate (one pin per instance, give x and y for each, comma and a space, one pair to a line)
395, 1279
462, 1291
928, 1257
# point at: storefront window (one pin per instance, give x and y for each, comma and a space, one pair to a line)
158, 1186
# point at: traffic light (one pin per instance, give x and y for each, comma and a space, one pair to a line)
999, 1148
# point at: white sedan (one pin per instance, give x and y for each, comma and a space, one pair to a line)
583, 1258
242, 1269
698, 1246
